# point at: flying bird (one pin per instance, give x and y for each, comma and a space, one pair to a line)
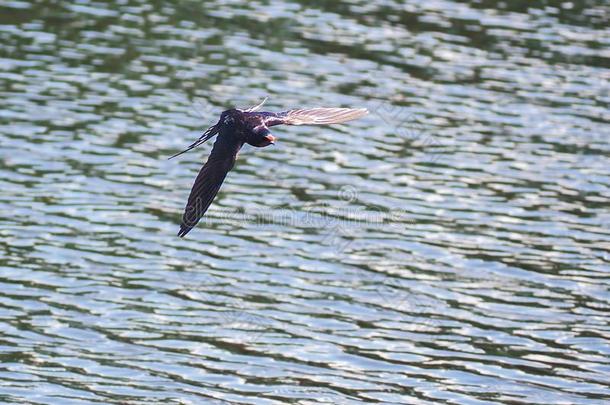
235, 128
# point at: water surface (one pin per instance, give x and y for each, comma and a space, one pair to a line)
450, 248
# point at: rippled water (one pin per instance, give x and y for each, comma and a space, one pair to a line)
451, 247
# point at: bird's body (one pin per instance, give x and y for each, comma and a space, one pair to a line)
235, 128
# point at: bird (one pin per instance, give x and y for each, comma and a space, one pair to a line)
235, 128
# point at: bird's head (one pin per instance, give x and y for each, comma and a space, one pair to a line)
261, 137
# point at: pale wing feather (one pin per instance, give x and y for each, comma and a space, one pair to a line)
321, 116
257, 107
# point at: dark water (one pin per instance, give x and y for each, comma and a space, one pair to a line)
452, 247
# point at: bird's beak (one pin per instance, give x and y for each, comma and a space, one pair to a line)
270, 138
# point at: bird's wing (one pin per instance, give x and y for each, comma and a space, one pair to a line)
316, 116
208, 181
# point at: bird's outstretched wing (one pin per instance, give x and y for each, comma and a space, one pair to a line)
208, 181
316, 116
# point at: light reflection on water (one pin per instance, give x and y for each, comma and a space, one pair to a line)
451, 247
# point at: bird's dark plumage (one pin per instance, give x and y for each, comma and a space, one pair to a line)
235, 128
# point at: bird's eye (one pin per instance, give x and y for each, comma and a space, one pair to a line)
228, 120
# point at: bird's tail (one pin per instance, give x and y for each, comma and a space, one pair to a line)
209, 133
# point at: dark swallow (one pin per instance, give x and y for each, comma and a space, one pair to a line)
235, 128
